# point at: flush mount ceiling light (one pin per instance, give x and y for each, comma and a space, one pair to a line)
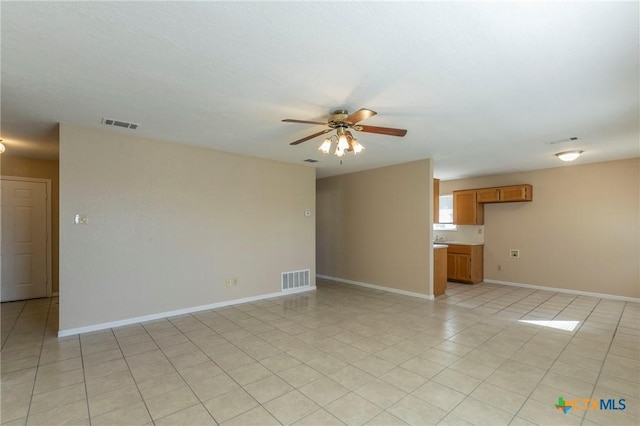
569, 155
343, 122
2, 148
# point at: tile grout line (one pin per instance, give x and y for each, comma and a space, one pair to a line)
84, 378
200, 402
297, 389
132, 376
44, 333
257, 361
168, 360
607, 355
178, 371
14, 324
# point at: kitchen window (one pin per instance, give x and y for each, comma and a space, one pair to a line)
446, 215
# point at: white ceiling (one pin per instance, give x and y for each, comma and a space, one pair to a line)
481, 87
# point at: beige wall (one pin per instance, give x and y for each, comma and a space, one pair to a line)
169, 223
580, 232
374, 226
43, 169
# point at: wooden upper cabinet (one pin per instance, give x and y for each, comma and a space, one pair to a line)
466, 209
505, 194
436, 200
468, 205
516, 193
489, 195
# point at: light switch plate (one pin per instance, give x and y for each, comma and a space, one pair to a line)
81, 219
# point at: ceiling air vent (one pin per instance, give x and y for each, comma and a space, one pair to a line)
311, 160
573, 138
118, 123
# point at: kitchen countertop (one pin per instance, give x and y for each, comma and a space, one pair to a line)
445, 243
439, 246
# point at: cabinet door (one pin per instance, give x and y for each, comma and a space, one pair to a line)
466, 210
464, 207
489, 195
451, 266
463, 266
439, 271
515, 193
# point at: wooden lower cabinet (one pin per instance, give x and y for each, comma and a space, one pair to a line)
465, 263
436, 200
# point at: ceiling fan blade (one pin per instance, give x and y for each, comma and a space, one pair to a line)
382, 130
289, 120
360, 115
311, 136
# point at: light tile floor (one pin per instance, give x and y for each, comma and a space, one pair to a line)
339, 355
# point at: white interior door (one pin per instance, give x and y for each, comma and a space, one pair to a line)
24, 240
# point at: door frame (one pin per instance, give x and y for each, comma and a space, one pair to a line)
49, 243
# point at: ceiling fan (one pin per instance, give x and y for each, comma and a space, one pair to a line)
342, 121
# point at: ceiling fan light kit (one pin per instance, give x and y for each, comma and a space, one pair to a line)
341, 121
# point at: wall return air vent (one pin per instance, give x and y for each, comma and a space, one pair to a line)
118, 123
296, 279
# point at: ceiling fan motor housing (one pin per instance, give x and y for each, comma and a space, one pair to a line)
338, 118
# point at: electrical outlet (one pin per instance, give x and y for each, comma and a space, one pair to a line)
81, 219
514, 253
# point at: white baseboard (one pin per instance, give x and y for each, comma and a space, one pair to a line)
565, 290
145, 318
377, 287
